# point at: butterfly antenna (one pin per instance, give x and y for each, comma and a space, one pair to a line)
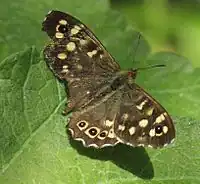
149, 67
137, 45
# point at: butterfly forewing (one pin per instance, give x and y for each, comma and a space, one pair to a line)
75, 51
107, 106
142, 121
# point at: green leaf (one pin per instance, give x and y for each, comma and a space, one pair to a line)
34, 145
21, 20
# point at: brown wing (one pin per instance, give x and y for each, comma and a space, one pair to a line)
142, 121
82, 92
75, 51
94, 125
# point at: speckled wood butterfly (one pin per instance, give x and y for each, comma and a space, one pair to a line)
107, 106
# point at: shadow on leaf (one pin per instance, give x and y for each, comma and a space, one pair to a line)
134, 160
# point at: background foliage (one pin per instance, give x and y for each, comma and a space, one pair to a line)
167, 24
34, 146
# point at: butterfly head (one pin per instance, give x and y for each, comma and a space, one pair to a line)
132, 74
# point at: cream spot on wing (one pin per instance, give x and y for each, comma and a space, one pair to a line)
88, 92
121, 127
57, 28
125, 116
140, 106
45, 18
63, 22
109, 123
111, 134
152, 132
149, 111
77, 27
79, 67
91, 54
59, 35
160, 118
94, 52
65, 66
71, 46
165, 114
132, 130
165, 129
150, 146
83, 42
74, 31
172, 140
62, 56
143, 123
65, 71
49, 12
165, 145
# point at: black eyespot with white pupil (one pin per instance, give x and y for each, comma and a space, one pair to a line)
62, 28
158, 129
82, 124
102, 134
93, 131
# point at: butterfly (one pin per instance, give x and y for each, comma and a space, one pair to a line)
107, 106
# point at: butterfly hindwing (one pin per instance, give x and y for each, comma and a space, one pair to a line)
142, 121
94, 125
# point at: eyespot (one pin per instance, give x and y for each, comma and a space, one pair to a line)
92, 132
159, 130
103, 135
62, 28
82, 124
